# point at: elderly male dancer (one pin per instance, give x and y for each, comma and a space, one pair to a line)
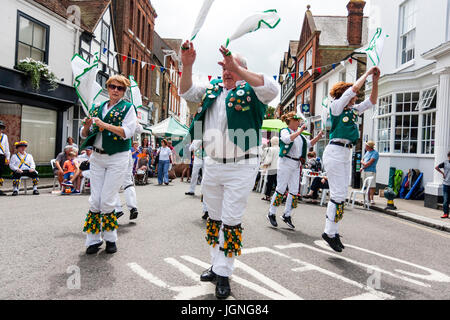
229, 123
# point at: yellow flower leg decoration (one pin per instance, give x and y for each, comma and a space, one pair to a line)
233, 240
212, 232
92, 223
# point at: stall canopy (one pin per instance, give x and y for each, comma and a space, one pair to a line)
276, 125
169, 128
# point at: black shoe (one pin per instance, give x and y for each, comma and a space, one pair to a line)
338, 240
93, 249
332, 242
15, 193
189, 193
223, 289
111, 247
2, 193
119, 214
205, 216
288, 221
133, 214
208, 276
272, 219
35, 192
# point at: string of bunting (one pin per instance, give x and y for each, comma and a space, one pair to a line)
162, 69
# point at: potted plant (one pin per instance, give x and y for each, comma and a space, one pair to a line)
38, 70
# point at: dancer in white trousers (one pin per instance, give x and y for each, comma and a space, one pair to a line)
344, 135
293, 149
108, 130
129, 191
229, 122
197, 147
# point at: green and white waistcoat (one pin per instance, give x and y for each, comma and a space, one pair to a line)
286, 148
111, 142
345, 126
244, 112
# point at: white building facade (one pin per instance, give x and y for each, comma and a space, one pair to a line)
411, 124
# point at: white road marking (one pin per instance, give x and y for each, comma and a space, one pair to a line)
147, 275
364, 296
302, 245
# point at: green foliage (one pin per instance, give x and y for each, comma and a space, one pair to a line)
37, 70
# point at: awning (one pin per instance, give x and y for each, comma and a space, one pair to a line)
277, 125
168, 128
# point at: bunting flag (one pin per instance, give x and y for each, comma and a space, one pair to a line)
375, 47
310, 72
143, 63
124, 58
333, 66
85, 83
275, 78
343, 63
293, 75
153, 67
267, 19
350, 60
209, 78
180, 73
162, 69
133, 61
319, 70
201, 17
136, 97
104, 50
301, 74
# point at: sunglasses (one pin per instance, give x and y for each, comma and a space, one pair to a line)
114, 87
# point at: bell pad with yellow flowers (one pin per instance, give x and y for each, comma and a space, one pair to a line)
339, 211
212, 232
294, 201
93, 223
109, 222
232, 240
278, 199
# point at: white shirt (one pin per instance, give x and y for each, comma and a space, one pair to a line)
15, 161
164, 153
5, 146
128, 125
338, 106
196, 145
297, 148
216, 140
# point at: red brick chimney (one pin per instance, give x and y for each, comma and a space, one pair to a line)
355, 21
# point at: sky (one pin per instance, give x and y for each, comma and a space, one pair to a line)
263, 49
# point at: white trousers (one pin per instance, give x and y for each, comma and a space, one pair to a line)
337, 164
129, 189
107, 174
225, 189
194, 176
288, 176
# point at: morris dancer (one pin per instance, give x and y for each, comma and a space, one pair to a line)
22, 165
293, 149
109, 130
4, 153
337, 156
229, 123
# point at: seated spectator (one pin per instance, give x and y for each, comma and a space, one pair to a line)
59, 163
22, 165
135, 151
71, 173
84, 162
143, 167
317, 184
71, 142
312, 163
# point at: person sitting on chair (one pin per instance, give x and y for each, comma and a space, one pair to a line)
22, 165
317, 184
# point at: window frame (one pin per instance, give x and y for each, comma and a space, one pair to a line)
406, 33
21, 14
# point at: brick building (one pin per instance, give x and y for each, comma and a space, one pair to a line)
325, 40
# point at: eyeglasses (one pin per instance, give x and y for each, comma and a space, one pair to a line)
114, 87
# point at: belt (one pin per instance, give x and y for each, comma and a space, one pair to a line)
292, 158
99, 151
342, 144
234, 160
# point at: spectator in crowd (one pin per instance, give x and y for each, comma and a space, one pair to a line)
312, 163
446, 185
71, 142
71, 172
135, 151
165, 157
143, 167
317, 184
22, 165
145, 144
270, 164
4, 153
369, 168
59, 163
84, 162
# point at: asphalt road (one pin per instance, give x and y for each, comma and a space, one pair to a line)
161, 255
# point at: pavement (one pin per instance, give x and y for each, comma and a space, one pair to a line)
162, 253
411, 210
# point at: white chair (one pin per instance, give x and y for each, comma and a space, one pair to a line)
325, 193
304, 183
263, 175
23, 180
55, 176
263, 189
364, 191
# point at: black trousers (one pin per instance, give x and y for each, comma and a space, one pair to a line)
271, 182
26, 173
316, 185
2, 164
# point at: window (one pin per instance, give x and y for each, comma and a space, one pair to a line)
428, 132
325, 89
406, 133
407, 102
309, 59
104, 42
428, 100
39, 129
384, 124
31, 39
301, 65
407, 31
131, 14
343, 76
138, 30
158, 80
